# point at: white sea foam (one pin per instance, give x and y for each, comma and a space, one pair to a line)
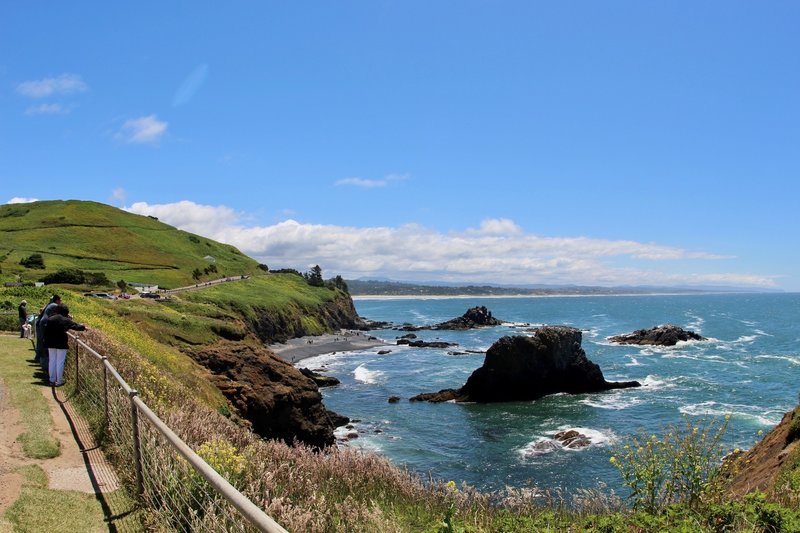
652, 382
712, 408
634, 362
615, 401
365, 375
696, 324
793, 359
762, 333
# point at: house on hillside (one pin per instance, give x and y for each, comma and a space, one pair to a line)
144, 287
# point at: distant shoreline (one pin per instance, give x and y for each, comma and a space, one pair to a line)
355, 297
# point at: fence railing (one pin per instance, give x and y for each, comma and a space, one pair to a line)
168, 476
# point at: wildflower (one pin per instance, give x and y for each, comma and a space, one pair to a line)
451, 485
613, 460
760, 432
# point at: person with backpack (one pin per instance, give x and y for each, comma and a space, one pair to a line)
55, 336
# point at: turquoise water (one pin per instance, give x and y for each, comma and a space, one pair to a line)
748, 368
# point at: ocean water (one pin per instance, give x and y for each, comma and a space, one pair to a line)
749, 368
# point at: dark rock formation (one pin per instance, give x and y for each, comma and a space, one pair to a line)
527, 368
667, 335
572, 439
384, 352
394, 399
279, 401
319, 379
477, 317
427, 344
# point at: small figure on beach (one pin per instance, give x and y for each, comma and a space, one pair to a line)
55, 334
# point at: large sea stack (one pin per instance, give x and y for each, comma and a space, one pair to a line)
527, 368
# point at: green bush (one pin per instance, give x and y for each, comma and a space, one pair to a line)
675, 468
33, 261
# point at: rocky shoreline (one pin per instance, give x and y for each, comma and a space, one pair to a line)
295, 350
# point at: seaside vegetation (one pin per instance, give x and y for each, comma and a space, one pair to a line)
344, 489
335, 489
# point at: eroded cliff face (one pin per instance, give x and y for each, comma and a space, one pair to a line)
760, 467
278, 401
271, 326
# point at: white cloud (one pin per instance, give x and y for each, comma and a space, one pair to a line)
18, 200
370, 183
498, 252
142, 130
46, 109
201, 219
63, 84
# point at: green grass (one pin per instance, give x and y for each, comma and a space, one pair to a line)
39, 509
95, 237
17, 371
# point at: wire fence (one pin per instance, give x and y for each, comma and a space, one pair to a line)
168, 476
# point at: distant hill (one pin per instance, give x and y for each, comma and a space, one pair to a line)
399, 288
95, 237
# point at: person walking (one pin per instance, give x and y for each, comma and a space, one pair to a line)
55, 335
23, 318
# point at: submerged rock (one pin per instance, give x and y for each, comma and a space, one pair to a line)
666, 335
527, 368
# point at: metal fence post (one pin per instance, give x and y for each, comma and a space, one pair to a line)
105, 392
77, 366
137, 450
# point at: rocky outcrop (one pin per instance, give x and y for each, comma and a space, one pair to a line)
426, 344
666, 335
759, 468
476, 317
527, 368
273, 326
319, 379
277, 400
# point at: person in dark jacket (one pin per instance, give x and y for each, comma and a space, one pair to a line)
23, 318
41, 345
55, 335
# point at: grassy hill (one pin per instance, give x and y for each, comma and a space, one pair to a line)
99, 238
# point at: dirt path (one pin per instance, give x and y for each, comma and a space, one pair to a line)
80, 466
11, 456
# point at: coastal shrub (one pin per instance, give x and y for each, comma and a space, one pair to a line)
675, 468
33, 261
74, 276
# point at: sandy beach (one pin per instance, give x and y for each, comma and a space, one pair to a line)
295, 350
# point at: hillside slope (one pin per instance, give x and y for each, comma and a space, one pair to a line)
214, 334
95, 237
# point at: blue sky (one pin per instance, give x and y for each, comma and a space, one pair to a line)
588, 142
